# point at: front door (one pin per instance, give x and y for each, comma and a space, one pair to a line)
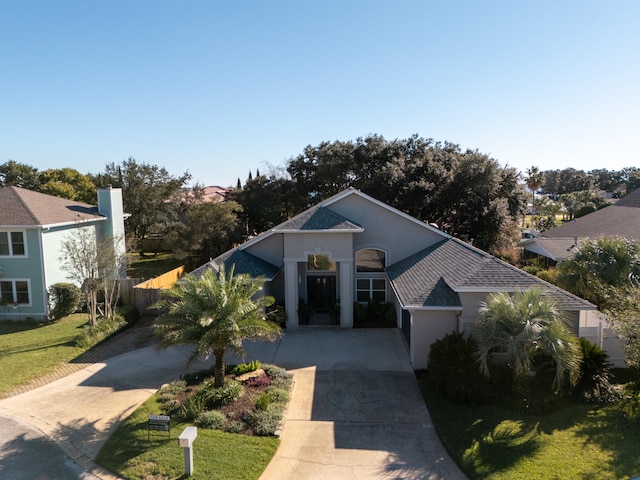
321, 292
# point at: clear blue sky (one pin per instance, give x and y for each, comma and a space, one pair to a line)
223, 87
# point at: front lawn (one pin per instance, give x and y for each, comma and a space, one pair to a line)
217, 455
29, 349
575, 441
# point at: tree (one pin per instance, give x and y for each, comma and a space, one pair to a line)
19, 175
68, 183
606, 271
206, 230
215, 312
467, 194
525, 326
600, 269
95, 264
150, 194
535, 179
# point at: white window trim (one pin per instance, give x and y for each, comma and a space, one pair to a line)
8, 232
371, 278
15, 292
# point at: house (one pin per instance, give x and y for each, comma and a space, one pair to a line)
354, 248
622, 219
32, 228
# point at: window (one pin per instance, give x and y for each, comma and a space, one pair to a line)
12, 243
14, 292
370, 260
320, 263
371, 289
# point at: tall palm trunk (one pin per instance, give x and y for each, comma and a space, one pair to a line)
218, 369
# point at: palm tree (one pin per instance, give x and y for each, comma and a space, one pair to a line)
535, 179
524, 326
215, 312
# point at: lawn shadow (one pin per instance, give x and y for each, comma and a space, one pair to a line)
614, 433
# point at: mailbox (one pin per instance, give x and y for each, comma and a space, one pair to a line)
187, 437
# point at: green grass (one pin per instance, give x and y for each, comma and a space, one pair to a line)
29, 350
574, 442
216, 455
151, 266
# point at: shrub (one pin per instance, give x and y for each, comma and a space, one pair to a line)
228, 393
65, 299
130, 313
193, 406
280, 378
277, 314
211, 419
246, 368
92, 335
234, 426
259, 381
266, 422
278, 395
263, 401
453, 369
594, 385
169, 397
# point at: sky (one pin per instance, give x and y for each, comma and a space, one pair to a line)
221, 88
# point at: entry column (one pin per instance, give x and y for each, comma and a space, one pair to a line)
346, 294
291, 292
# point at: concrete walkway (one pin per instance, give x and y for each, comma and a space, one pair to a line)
356, 411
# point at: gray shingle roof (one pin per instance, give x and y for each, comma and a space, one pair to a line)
557, 249
317, 218
244, 262
431, 277
22, 207
621, 219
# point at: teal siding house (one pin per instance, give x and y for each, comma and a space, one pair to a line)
32, 228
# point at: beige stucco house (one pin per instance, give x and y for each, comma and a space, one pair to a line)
354, 248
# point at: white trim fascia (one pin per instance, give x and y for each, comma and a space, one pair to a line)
336, 230
406, 216
75, 222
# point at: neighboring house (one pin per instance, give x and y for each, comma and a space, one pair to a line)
32, 228
353, 248
622, 219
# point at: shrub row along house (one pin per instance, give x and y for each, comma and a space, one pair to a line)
33, 227
353, 249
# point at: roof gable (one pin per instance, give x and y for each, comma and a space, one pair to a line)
244, 262
22, 207
465, 269
318, 218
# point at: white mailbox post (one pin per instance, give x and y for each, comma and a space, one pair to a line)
185, 440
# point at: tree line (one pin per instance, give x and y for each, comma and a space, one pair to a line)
464, 192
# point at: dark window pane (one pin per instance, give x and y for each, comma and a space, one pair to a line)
22, 292
379, 296
17, 242
379, 284
362, 296
6, 292
4, 243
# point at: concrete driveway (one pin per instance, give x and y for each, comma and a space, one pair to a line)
355, 412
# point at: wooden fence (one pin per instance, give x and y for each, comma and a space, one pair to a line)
147, 293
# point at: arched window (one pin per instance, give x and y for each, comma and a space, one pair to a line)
371, 283
370, 260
